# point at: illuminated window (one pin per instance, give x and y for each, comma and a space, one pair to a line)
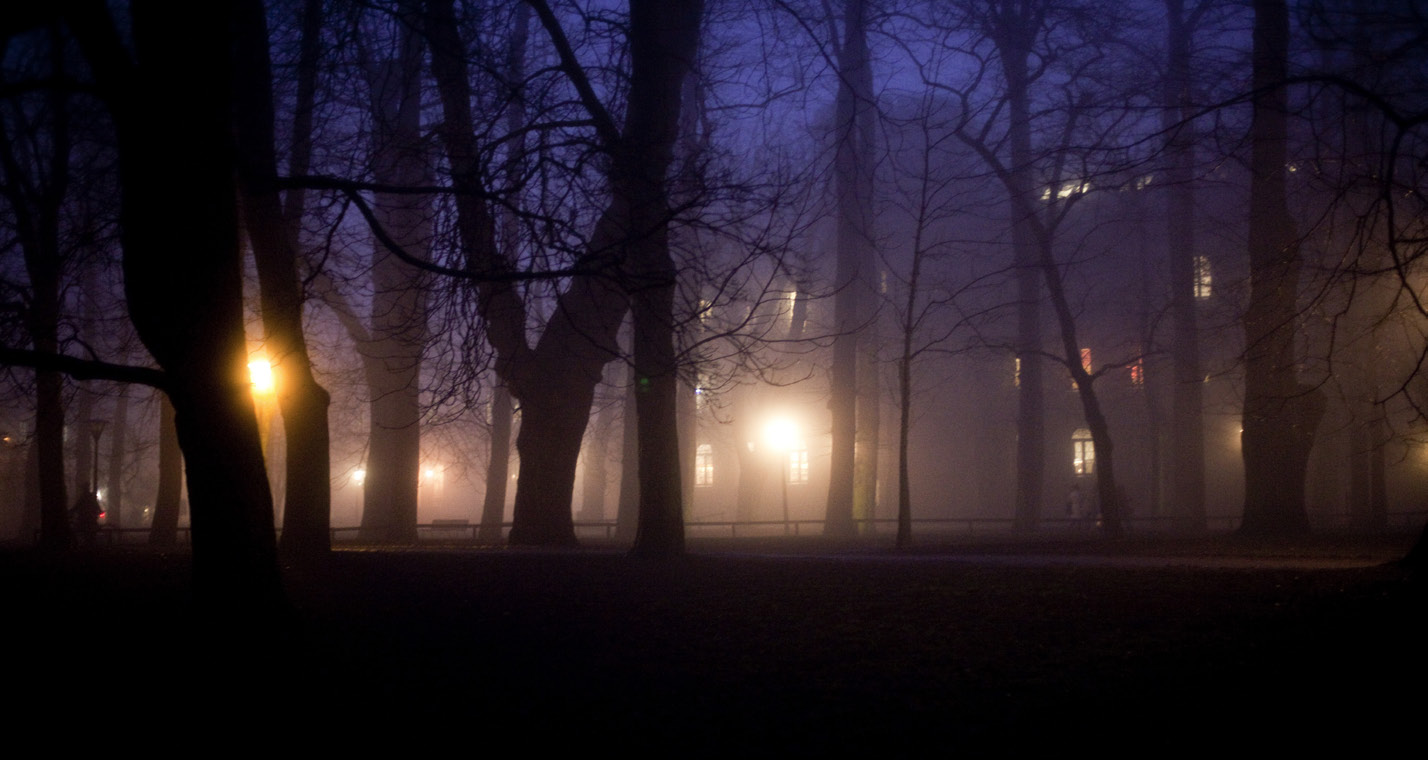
1016, 372
1067, 190
798, 465
1137, 372
1083, 453
1085, 364
704, 465
1202, 277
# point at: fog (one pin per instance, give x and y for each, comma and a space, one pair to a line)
1037, 236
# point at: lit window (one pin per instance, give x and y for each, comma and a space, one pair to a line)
704, 465
1016, 372
1085, 364
798, 465
1137, 372
1083, 452
1202, 277
1067, 190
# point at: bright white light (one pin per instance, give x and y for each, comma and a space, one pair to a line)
359, 476
260, 373
781, 434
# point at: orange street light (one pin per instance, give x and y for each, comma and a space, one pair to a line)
260, 374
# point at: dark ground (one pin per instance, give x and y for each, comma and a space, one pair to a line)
1144, 647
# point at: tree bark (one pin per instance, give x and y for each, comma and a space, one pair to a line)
36, 210
498, 469
307, 519
392, 357
118, 445
555, 379
853, 178
163, 526
1280, 414
1013, 27
179, 224
1187, 434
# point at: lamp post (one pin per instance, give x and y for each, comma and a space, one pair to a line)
780, 434
264, 388
96, 429
359, 477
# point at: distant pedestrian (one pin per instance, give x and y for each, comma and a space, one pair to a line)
86, 517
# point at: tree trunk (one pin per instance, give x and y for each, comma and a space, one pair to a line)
179, 224
118, 444
627, 516
869, 433
493, 509
1187, 434
854, 178
163, 526
307, 519
664, 39
393, 356
1280, 414
553, 419
1013, 28
498, 469
36, 211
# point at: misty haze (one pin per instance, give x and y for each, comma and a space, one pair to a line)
718, 375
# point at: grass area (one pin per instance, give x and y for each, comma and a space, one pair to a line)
761, 646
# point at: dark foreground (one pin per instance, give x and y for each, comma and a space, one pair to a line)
754, 648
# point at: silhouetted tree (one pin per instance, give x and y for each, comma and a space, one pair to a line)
1280, 413
853, 176
273, 235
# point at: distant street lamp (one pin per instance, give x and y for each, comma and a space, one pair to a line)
781, 435
96, 429
359, 477
264, 388
260, 374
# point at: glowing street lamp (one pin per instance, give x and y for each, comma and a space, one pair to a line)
781, 435
260, 374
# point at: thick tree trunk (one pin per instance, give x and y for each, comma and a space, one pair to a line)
163, 527
853, 176
627, 516
1187, 434
179, 225
303, 403
664, 39
393, 355
1280, 414
553, 419
1013, 31
498, 468
49, 450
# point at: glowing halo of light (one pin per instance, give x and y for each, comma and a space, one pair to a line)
260, 375
781, 434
